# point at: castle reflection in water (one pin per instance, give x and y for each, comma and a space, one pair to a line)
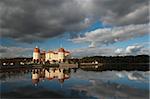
61, 74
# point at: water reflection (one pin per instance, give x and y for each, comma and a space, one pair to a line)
50, 74
77, 83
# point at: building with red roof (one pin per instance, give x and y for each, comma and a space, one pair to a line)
59, 56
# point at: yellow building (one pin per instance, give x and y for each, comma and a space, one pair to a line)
59, 56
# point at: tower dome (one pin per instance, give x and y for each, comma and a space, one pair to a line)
61, 50
37, 50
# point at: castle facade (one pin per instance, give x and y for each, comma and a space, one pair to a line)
58, 56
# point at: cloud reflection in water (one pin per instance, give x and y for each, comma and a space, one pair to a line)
79, 84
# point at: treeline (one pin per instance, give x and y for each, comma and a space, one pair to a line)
116, 59
117, 67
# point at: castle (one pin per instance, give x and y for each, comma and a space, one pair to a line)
58, 56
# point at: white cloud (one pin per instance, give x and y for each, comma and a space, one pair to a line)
136, 49
133, 50
118, 50
145, 51
112, 35
92, 45
138, 76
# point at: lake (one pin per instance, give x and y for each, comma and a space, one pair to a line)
74, 83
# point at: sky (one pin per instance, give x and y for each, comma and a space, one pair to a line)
84, 27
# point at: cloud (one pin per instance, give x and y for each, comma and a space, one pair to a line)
92, 45
112, 35
37, 20
31, 21
136, 49
117, 12
119, 51
15, 52
136, 76
90, 75
141, 14
139, 76
93, 51
130, 50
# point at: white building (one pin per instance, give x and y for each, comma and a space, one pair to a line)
51, 56
36, 54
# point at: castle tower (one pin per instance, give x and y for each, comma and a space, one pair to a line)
36, 54
61, 54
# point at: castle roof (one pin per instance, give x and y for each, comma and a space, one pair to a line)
67, 52
37, 50
43, 52
50, 51
61, 50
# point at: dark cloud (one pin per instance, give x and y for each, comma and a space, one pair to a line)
2, 50
36, 20
33, 20
125, 12
15, 52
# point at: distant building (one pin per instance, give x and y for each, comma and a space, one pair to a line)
58, 56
